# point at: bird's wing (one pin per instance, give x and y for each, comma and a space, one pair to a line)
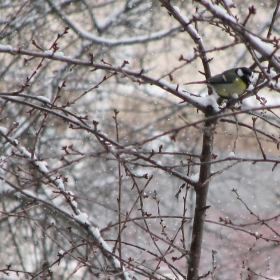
224, 78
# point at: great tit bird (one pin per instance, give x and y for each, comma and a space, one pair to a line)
233, 81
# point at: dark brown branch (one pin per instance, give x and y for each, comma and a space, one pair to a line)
273, 20
201, 198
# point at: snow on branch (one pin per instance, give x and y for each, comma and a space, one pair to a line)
99, 135
186, 24
248, 38
136, 76
80, 217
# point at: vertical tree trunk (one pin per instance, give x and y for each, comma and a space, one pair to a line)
201, 198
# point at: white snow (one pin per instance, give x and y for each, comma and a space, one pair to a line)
194, 31
48, 52
103, 133
6, 48
277, 86
195, 177
59, 55
209, 100
177, 9
189, 56
43, 98
253, 78
42, 166
74, 203
83, 217
128, 148
234, 96
204, 101
271, 73
231, 155
60, 252
3, 130
229, 3
97, 235
250, 87
117, 263
266, 48
219, 11
167, 85
30, 193
60, 184
25, 152
186, 20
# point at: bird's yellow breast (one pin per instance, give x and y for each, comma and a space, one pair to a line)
225, 90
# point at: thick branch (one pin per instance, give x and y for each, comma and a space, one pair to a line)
201, 198
135, 76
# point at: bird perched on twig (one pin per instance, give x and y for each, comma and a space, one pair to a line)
230, 82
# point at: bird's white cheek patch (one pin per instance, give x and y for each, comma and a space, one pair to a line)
240, 73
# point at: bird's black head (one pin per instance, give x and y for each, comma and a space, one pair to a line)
244, 73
